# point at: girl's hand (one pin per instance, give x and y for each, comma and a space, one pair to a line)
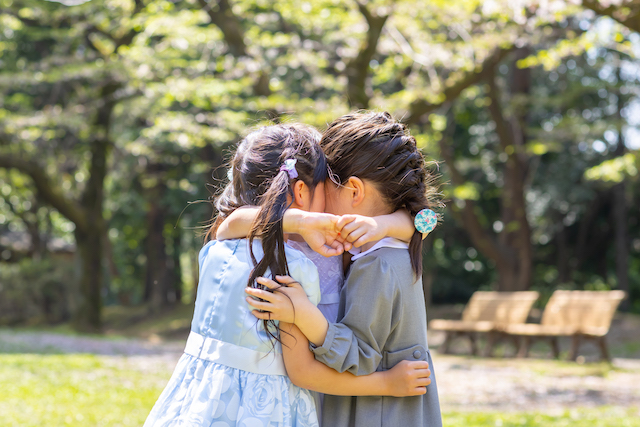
408, 378
318, 230
359, 230
280, 304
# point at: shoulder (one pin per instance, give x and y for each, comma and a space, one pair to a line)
388, 264
218, 246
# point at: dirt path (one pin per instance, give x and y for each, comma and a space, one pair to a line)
464, 383
530, 385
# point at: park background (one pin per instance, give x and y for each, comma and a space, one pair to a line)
117, 117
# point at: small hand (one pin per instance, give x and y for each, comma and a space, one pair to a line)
280, 304
321, 234
359, 230
408, 378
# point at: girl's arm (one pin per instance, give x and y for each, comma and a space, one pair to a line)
358, 229
405, 379
317, 229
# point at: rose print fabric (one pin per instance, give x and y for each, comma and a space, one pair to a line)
204, 389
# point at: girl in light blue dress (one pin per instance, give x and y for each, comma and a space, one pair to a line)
232, 371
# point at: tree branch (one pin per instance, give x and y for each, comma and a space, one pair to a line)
224, 18
358, 69
47, 191
421, 107
627, 13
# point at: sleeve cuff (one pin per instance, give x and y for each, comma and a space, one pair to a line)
326, 345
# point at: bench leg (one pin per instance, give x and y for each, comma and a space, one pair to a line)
575, 343
524, 347
554, 347
474, 344
603, 349
517, 342
444, 348
491, 341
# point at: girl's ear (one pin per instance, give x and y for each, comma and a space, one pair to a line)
356, 186
300, 194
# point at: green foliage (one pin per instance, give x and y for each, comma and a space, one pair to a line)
36, 291
184, 93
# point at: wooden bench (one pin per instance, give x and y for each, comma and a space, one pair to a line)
577, 314
485, 312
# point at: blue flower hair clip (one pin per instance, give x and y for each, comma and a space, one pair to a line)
425, 221
290, 166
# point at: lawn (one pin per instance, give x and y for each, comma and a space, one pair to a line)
89, 390
76, 390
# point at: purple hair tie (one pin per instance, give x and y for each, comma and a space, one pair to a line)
290, 166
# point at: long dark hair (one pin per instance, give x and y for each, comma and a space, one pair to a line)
257, 180
374, 147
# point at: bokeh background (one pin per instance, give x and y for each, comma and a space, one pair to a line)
117, 116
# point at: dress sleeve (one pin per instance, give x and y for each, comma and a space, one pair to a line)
304, 271
355, 343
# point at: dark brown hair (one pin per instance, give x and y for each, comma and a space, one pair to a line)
374, 147
257, 180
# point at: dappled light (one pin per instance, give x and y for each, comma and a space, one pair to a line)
117, 123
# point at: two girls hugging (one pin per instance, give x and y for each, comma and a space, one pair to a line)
275, 322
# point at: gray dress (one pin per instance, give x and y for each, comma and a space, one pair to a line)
382, 321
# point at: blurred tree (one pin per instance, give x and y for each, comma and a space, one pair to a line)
118, 111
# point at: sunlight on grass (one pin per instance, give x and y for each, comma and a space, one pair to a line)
75, 390
88, 390
583, 417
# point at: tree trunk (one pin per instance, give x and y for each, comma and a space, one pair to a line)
175, 268
88, 306
516, 234
89, 244
620, 212
156, 277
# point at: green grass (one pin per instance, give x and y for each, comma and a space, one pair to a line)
88, 390
583, 417
76, 390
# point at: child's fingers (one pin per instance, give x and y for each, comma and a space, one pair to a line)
365, 238
265, 295
419, 391
260, 305
423, 381
286, 280
333, 250
344, 220
356, 234
422, 373
264, 315
349, 227
268, 283
419, 364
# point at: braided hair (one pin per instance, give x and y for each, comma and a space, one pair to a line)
374, 147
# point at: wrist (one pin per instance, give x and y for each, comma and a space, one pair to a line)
386, 384
293, 220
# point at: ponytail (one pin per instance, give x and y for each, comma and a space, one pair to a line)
259, 179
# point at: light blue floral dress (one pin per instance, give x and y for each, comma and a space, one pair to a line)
231, 374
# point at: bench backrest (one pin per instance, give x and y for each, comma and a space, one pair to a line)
589, 312
499, 307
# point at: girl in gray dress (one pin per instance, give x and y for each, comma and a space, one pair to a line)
376, 168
